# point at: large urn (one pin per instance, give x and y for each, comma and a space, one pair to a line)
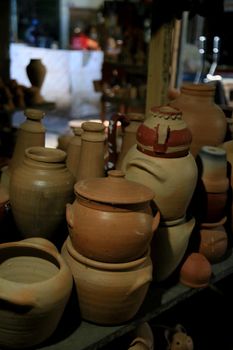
204, 118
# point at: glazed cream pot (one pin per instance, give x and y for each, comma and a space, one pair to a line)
111, 219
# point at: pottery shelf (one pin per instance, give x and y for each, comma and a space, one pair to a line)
87, 336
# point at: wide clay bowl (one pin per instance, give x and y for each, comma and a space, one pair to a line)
35, 285
108, 293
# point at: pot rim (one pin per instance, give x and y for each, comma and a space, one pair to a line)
103, 265
45, 154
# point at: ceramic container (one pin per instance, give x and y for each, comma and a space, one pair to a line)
164, 133
173, 180
91, 161
168, 247
35, 286
143, 338
196, 271
111, 218
36, 72
30, 133
213, 240
108, 293
39, 191
73, 151
204, 118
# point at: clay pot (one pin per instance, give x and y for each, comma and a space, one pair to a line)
30, 133
168, 247
39, 191
108, 293
35, 285
213, 241
121, 225
204, 118
196, 271
164, 133
36, 72
91, 161
73, 151
173, 180
212, 164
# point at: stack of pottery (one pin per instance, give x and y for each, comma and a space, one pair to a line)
161, 160
35, 286
204, 118
210, 201
108, 249
39, 189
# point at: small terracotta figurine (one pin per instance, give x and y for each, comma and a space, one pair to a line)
178, 339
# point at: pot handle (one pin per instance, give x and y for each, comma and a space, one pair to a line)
13, 298
155, 222
69, 215
142, 279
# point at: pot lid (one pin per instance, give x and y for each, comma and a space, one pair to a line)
114, 189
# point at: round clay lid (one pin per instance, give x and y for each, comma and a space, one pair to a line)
114, 189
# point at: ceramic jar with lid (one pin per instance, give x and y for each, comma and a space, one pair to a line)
111, 219
204, 118
35, 286
39, 191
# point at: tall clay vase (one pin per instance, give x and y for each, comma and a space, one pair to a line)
209, 203
30, 133
129, 135
204, 118
36, 72
39, 191
73, 151
108, 293
35, 286
91, 161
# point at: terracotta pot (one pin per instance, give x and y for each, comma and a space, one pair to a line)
168, 247
36, 72
121, 225
39, 191
213, 241
73, 151
35, 285
108, 293
30, 133
196, 271
173, 190
164, 133
204, 118
91, 161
